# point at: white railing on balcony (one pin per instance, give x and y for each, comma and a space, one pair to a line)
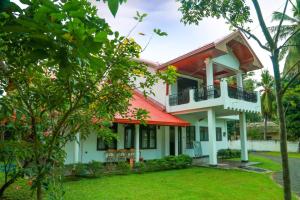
232, 98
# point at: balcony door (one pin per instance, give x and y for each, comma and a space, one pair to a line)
183, 87
184, 84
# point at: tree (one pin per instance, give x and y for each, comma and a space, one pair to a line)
291, 101
237, 14
267, 98
292, 49
65, 72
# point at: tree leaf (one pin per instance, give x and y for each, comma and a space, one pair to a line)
100, 36
113, 6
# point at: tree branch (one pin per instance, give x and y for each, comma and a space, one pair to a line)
280, 23
250, 35
263, 25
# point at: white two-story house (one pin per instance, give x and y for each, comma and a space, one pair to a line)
187, 117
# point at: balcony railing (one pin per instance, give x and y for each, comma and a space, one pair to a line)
209, 92
180, 98
239, 93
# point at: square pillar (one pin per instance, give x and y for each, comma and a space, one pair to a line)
243, 137
209, 72
76, 147
167, 140
183, 135
176, 140
211, 119
137, 143
239, 79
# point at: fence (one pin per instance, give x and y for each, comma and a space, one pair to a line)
260, 145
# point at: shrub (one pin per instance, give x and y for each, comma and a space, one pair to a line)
169, 162
229, 153
80, 169
140, 167
95, 168
123, 167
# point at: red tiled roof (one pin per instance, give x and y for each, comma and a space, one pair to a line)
156, 114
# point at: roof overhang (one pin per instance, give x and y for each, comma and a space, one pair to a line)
193, 63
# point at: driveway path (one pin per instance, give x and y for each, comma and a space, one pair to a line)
294, 165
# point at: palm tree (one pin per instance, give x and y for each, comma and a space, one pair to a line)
267, 98
291, 27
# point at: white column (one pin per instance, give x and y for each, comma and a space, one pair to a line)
76, 147
211, 118
209, 72
176, 140
167, 140
183, 135
239, 79
243, 137
137, 143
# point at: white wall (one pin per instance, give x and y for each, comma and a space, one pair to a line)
269, 145
205, 144
89, 152
159, 88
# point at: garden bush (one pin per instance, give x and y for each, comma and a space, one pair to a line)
95, 168
229, 153
168, 162
123, 168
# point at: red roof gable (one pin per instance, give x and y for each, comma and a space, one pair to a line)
156, 114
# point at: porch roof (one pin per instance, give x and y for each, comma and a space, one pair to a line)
193, 63
156, 113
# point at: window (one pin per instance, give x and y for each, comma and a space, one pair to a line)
104, 145
219, 134
203, 133
190, 136
148, 137
129, 137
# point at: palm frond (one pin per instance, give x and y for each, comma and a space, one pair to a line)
277, 16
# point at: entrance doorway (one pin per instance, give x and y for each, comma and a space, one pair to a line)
172, 140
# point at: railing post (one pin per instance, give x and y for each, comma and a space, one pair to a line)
191, 94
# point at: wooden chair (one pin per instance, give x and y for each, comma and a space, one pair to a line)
111, 155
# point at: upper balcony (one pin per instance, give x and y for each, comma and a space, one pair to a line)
229, 98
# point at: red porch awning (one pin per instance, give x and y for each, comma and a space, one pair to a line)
156, 115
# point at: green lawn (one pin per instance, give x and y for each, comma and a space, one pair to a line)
291, 155
264, 163
193, 183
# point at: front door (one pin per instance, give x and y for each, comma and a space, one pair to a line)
172, 140
179, 141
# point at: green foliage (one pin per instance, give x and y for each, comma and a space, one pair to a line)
169, 162
80, 169
254, 134
229, 153
65, 71
194, 11
159, 32
95, 168
123, 168
140, 16
292, 103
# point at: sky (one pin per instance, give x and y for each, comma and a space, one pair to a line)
181, 38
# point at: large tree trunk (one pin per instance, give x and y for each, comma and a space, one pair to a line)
266, 127
282, 126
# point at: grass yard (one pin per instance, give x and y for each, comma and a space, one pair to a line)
264, 163
194, 183
186, 184
291, 155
